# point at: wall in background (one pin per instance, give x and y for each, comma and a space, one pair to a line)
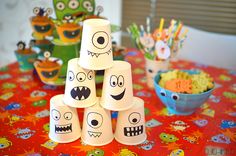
15, 25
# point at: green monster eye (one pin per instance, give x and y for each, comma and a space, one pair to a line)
60, 6
73, 4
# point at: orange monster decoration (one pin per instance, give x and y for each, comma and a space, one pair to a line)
41, 23
48, 69
69, 32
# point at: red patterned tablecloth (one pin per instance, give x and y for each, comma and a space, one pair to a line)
24, 116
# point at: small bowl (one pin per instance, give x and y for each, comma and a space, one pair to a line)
179, 103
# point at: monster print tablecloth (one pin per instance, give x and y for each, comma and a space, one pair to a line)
24, 116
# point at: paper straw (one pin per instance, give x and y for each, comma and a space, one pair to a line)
161, 25
184, 34
142, 30
178, 31
148, 25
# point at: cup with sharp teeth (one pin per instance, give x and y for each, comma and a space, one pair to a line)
64, 121
80, 90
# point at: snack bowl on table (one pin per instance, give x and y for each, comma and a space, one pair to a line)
180, 103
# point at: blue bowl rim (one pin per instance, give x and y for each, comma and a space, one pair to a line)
164, 71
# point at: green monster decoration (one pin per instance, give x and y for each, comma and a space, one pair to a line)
168, 138
95, 152
74, 8
229, 95
39, 103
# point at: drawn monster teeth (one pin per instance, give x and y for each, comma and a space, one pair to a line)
94, 134
98, 54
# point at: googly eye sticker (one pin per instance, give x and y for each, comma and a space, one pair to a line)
49, 11
60, 6
175, 96
73, 4
163, 92
36, 10
47, 54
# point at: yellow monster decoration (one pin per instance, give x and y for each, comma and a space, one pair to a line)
4, 143
126, 152
177, 152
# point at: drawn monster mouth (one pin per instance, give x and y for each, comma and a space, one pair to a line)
94, 134
119, 96
63, 129
79, 14
98, 54
50, 74
42, 29
71, 34
133, 131
80, 93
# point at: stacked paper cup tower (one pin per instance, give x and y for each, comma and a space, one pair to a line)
80, 92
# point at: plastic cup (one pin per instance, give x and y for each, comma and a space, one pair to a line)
96, 47
26, 60
130, 127
97, 126
117, 92
175, 50
64, 121
152, 68
80, 89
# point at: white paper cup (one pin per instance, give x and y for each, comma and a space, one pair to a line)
130, 127
64, 121
97, 126
80, 89
117, 91
96, 47
152, 67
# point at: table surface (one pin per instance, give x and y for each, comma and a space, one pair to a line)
211, 130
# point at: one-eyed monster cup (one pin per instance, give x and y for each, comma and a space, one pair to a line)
96, 47
97, 126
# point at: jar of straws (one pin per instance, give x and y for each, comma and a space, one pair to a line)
157, 46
